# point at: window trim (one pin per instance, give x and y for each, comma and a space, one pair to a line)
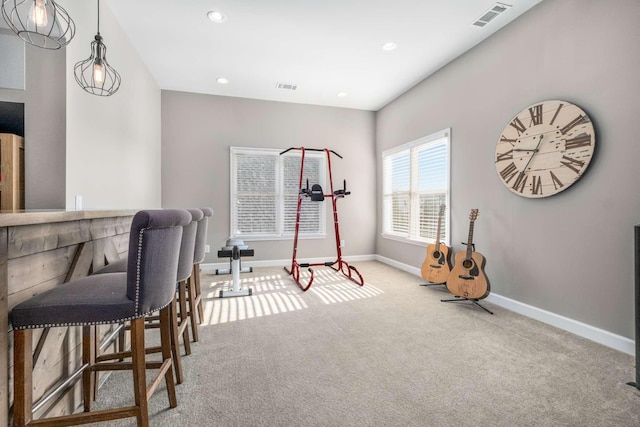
423, 141
279, 179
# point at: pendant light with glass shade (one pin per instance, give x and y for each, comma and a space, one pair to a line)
94, 74
42, 23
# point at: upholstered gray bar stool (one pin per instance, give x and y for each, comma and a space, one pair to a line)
179, 326
185, 294
148, 286
198, 257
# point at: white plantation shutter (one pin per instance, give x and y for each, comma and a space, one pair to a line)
433, 175
310, 212
264, 194
256, 194
416, 183
397, 173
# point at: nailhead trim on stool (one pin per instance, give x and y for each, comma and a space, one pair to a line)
148, 287
198, 257
185, 294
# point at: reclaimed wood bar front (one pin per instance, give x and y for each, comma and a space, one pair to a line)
40, 250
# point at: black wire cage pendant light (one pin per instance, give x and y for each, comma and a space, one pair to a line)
42, 23
94, 74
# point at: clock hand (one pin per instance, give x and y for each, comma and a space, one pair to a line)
530, 158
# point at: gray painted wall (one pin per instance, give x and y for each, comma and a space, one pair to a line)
45, 126
571, 254
197, 131
43, 94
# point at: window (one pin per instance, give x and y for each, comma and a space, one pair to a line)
264, 194
415, 184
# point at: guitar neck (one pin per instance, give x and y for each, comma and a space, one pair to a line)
470, 239
438, 233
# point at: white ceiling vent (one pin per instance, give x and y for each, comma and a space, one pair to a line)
286, 86
490, 14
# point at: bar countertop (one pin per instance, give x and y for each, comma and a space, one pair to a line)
28, 217
41, 249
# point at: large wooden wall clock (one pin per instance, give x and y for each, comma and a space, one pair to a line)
544, 149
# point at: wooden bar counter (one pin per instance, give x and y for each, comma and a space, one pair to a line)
40, 250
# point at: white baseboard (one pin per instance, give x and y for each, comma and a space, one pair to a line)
584, 330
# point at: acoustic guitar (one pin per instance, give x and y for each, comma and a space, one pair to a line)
437, 265
467, 278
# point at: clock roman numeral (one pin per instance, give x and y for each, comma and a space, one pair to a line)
556, 182
505, 156
579, 141
536, 185
518, 125
536, 114
556, 114
508, 173
573, 123
572, 163
520, 182
505, 139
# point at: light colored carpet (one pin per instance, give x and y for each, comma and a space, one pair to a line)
385, 354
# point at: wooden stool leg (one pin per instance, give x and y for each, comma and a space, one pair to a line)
139, 371
89, 377
165, 342
192, 310
22, 377
175, 342
184, 320
196, 281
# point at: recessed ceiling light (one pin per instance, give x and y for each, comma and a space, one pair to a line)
216, 16
342, 94
222, 80
389, 46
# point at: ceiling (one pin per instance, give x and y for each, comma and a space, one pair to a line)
322, 47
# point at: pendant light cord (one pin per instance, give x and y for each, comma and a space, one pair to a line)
98, 16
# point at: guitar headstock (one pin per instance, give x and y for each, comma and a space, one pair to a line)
442, 208
474, 214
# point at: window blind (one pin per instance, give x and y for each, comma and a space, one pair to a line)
264, 194
416, 183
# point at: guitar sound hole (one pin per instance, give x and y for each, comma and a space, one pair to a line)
467, 263
436, 254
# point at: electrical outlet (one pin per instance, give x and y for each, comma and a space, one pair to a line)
342, 243
207, 249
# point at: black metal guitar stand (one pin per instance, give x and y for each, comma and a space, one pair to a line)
433, 284
471, 300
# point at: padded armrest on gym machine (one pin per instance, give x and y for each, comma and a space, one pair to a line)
228, 253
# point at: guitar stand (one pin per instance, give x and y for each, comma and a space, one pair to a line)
473, 300
433, 284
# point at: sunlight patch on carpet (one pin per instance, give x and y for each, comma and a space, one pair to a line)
278, 293
271, 294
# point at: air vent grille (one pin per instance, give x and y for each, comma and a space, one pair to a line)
286, 86
489, 15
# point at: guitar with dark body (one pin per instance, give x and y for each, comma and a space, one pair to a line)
467, 278
437, 265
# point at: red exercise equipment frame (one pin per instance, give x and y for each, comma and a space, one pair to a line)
339, 265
